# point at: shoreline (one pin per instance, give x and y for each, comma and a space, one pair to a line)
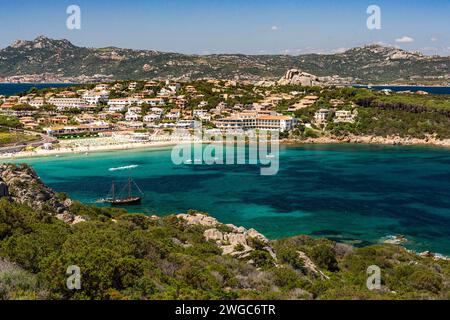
86, 149
356, 140
372, 140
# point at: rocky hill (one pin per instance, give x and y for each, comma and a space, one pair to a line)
368, 64
21, 184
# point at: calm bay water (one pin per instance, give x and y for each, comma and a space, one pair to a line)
351, 193
431, 90
10, 89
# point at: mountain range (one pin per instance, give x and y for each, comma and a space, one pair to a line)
374, 64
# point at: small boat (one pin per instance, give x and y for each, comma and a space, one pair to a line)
126, 200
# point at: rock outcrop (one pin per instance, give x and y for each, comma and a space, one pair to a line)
297, 77
198, 218
21, 184
234, 241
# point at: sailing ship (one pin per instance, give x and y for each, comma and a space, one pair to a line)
127, 200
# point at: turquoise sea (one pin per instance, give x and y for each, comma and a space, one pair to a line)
10, 89
353, 193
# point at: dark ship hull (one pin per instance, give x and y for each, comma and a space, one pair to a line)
125, 202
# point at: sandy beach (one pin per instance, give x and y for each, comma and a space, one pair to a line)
104, 145
87, 149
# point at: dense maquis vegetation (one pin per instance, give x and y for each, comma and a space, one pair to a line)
131, 256
380, 114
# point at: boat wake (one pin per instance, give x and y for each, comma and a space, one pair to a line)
124, 168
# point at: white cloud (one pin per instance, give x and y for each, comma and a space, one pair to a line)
434, 39
404, 39
275, 28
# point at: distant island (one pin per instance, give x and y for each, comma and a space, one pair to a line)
49, 60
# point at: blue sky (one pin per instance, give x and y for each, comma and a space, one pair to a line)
232, 26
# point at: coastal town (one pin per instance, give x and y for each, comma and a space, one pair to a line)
144, 112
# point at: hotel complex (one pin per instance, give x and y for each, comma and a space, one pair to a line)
255, 120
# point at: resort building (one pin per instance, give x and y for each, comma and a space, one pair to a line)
186, 124
123, 102
252, 120
67, 103
37, 102
83, 128
96, 97
280, 123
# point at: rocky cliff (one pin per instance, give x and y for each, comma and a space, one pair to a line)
21, 184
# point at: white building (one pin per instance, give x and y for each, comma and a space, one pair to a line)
68, 103
37, 102
187, 124
96, 97
202, 114
152, 117
130, 116
203, 104
124, 102
114, 109
132, 86
321, 115
174, 87
135, 109
154, 102
101, 87
157, 110
249, 121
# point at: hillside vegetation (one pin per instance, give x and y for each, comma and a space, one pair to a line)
131, 256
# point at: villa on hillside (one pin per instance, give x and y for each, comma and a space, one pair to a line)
320, 117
